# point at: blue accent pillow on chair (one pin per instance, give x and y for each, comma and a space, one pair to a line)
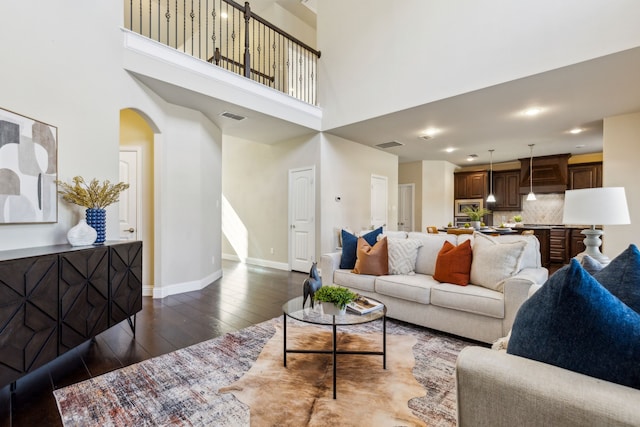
350, 244
575, 323
622, 277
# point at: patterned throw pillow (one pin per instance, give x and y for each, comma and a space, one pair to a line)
402, 255
373, 260
454, 263
493, 262
349, 246
575, 323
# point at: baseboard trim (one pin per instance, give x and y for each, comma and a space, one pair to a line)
258, 261
179, 288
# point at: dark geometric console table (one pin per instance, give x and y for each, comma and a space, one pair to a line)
54, 298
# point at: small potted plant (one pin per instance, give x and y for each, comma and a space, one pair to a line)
336, 299
475, 215
518, 220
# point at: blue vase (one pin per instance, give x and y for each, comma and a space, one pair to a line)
97, 218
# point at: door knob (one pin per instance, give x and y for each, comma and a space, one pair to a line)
130, 230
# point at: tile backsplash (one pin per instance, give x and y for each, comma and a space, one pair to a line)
546, 209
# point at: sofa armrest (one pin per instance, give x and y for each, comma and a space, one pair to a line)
329, 263
498, 389
516, 291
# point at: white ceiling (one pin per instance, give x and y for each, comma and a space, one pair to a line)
579, 95
575, 96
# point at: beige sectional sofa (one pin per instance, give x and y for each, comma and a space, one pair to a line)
483, 313
498, 389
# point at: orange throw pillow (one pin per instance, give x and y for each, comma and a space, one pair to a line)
454, 263
372, 260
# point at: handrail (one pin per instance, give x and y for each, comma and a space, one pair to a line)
243, 42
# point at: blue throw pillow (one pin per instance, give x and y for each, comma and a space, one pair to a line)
350, 244
622, 277
575, 323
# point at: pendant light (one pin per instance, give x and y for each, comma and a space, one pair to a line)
531, 196
491, 198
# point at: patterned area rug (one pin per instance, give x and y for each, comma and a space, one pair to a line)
183, 387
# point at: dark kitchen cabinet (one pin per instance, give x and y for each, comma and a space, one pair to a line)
54, 298
506, 186
585, 175
559, 247
470, 185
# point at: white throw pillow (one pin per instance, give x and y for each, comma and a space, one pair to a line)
402, 255
494, 262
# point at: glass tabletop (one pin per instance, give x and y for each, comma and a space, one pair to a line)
293, 308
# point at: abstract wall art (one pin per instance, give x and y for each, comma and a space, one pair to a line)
28, 170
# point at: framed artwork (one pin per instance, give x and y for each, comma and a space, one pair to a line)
28, 170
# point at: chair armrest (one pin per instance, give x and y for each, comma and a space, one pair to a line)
498, 389
329, 263
516, 291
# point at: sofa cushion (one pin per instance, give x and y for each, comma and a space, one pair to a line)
590, 265
395, 234
402, 255
531, 258
411, 288
372, 259
453, 264
575, 323
622, 277
428, 252
494, 262
361, 282
350, 245
472, 299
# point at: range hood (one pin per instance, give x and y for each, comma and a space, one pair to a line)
550, 174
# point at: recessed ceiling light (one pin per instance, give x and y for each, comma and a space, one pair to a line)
575, 131
449, 149
429, 133
533, 111
223, 15
472, 157
580, 146
426, 137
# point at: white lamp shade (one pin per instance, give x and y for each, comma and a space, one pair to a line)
596, 206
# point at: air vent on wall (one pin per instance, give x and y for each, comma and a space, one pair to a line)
389, 144
232, 116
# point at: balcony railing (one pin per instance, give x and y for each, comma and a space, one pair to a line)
229, 35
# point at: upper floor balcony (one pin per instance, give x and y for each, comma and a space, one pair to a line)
225, 34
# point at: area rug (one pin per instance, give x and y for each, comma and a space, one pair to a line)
183, 387
303, 391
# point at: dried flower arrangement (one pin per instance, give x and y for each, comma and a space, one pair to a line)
93, 195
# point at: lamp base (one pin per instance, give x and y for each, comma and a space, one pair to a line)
592, 242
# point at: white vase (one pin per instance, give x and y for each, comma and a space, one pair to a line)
475, 224
332, 309
82, 234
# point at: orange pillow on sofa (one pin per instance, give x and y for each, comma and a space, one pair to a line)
453, 264
372, 260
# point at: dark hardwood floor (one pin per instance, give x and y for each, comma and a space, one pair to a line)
244, 296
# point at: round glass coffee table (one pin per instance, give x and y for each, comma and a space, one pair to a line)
294, 309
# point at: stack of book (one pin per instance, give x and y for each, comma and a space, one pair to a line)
364, 305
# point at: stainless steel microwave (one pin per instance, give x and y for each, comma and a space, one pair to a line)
461, 204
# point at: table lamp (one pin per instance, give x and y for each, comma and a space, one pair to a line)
595, 206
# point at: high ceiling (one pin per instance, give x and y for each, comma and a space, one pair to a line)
577, 96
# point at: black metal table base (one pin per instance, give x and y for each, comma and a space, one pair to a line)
334, 351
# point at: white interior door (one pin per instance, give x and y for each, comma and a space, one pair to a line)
406, 199
302, 206
379, 201
129, 221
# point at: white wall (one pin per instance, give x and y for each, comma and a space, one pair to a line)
52, 75
437, 193
255, 186
388, 57
621, 151
64, 67
346, 172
